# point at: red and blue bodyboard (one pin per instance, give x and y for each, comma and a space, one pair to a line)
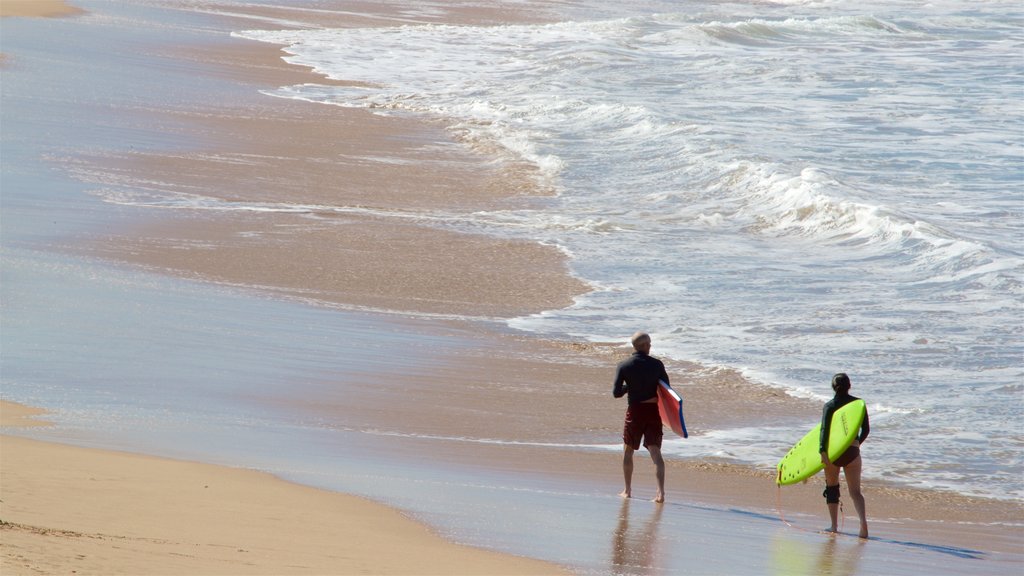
670, 405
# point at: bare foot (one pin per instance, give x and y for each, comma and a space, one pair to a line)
625, 494
863, 534
659, 498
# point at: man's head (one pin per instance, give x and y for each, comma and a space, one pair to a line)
642, 342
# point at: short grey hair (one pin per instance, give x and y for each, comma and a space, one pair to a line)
639, 338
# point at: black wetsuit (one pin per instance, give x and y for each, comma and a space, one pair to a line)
831, 406
638, 376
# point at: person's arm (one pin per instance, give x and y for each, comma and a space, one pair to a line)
619, 386
865, 428
826, 425
664, 375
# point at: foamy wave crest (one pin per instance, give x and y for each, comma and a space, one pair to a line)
807, 205
537, 225
801, 204
759, 31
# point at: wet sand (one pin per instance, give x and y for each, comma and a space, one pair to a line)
332, 203
364, 239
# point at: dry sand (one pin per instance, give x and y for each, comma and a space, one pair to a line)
70, 510
38, 8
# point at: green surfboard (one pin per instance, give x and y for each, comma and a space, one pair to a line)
803, 460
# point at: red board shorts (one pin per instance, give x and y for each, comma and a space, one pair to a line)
642, 421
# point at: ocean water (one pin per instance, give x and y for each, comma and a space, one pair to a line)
787, 189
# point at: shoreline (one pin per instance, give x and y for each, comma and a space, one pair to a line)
896, 514
576, 363
272, 230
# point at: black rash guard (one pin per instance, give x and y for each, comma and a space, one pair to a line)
831, 406
638, 375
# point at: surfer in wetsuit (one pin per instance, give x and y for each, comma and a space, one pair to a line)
849, 461
638, 377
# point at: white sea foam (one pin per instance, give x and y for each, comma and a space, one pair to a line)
835, 187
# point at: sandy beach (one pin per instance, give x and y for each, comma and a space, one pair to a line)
38, 8
374, 186
188, 518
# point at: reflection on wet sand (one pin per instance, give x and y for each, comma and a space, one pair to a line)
794, 557
634, 551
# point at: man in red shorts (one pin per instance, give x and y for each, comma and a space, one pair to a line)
638, 377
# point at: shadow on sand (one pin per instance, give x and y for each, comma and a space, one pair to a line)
958, 552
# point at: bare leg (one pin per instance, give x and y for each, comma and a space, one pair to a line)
852, 473
832, 479
659, 471
627, 471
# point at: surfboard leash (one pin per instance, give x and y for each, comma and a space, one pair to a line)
782, 516
778, 502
